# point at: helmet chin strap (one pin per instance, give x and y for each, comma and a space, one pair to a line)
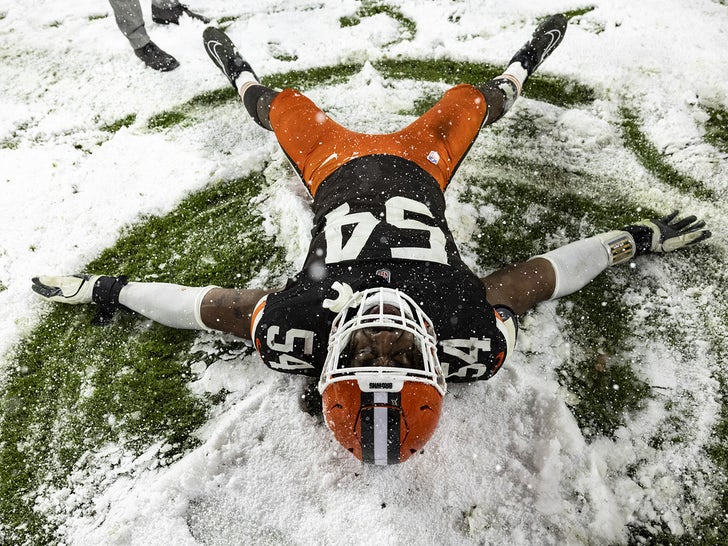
346, 298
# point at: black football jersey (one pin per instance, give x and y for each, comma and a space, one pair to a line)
380, 221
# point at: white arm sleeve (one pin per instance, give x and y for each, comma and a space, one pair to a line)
577, 263
169, 304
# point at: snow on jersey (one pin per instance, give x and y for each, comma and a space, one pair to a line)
380, 221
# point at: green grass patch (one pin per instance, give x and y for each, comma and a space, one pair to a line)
590, 26
285, 57
560, 92
579, 12
77, 387
312, 77
185, 112
655, 162
119, 123
606, 393
422, 104
604, 381
211, 99
349, 21
224, 22
533, 208
716, 128
11, 143
538, 200
408, 27
165, 120
711, 525
711, 529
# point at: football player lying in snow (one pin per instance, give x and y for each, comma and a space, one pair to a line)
384, 312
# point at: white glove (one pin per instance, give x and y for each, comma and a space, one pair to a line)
72, 289
667, 234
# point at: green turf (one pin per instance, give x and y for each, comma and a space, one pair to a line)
77, 387
11, 143
655, 162
225, 21
716, 127
578, 12
602, 376
118, 124
553, 205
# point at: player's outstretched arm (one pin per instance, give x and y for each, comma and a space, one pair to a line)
231, 310
569, 268
190, 308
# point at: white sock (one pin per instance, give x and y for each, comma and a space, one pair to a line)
517, 71
245, 80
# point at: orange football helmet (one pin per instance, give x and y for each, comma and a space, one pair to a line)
382, 414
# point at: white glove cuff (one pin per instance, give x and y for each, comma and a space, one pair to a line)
169, 304
578, 263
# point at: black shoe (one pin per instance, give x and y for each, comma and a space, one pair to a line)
166, 16
545, 39
223, 53
155, 58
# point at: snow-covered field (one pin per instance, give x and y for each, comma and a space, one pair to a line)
508, 465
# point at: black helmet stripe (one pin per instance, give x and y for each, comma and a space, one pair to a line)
381, 421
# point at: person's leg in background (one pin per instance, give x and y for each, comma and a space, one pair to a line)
129, 18
165, 12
